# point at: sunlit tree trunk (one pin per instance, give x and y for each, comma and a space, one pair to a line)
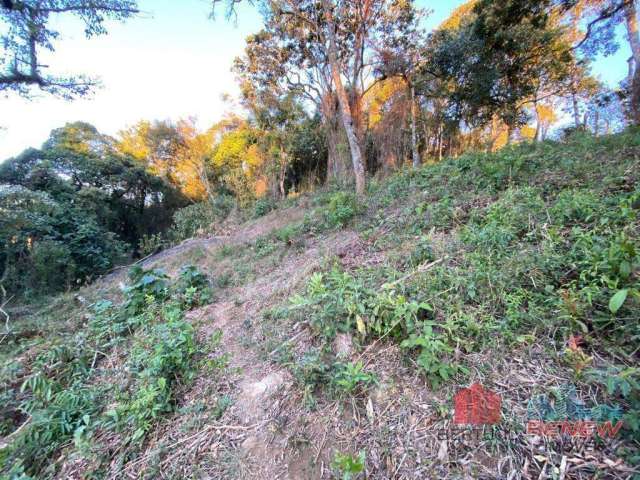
634, 41
337, 156
576, 106
343, 99
414, 134
538, 126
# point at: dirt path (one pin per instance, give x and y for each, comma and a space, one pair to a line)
245, 233
252, 437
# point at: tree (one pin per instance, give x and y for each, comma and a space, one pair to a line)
336, 38
26, 33
80, 167
176, 152
399, 55
601, 18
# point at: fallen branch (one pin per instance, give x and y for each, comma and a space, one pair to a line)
291, 340
422, 268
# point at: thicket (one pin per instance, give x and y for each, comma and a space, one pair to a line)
73, 210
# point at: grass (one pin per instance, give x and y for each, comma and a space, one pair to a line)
479, 259
487, 252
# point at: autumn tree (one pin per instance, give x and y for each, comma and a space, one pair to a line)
335, 39
26, 33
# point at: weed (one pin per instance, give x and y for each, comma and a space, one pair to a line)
342, 208
262, 207
61, 396
349, 466
350, 378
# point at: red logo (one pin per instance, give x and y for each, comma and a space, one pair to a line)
477, 406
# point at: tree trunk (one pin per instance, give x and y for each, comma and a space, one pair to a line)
596, 124
414, 135
440, 143
337, 155
576, 107
537, 136
634, 41
343, 99
283, 172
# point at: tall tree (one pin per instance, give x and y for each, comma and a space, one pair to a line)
26, 32
341, 35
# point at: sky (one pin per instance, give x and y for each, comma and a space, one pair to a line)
171, 62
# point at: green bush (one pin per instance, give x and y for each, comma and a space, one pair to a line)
341, 209
262, 207
200, 218
53, 265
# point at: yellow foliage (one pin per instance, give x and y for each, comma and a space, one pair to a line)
456, 17
528, 132
133, 141
379, 95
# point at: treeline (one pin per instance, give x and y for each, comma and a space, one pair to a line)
74, 209
387, 93
86, 202
333, 92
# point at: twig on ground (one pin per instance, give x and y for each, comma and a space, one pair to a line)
422, 268
291, 340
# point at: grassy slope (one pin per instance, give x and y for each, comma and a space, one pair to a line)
481, 268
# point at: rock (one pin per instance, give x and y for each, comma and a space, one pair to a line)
343, 345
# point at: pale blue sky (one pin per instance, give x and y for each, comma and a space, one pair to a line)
172, 62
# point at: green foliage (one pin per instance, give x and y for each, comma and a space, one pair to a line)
623, 384
435, 354
342, 208
510, 219
47, 246
62, 394
541, 242
262, 207
337, 301
150, 244
348, 466
78, 203
350, 378
200, 218
163, 355
193, 288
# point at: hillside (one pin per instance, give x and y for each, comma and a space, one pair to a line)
328, 338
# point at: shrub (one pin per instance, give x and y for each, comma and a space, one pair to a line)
200, 218
341, 209
150, 244
262, 207
53, 265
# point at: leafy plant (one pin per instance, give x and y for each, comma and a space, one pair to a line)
350, 378
349, 466
262, 207
342, 208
